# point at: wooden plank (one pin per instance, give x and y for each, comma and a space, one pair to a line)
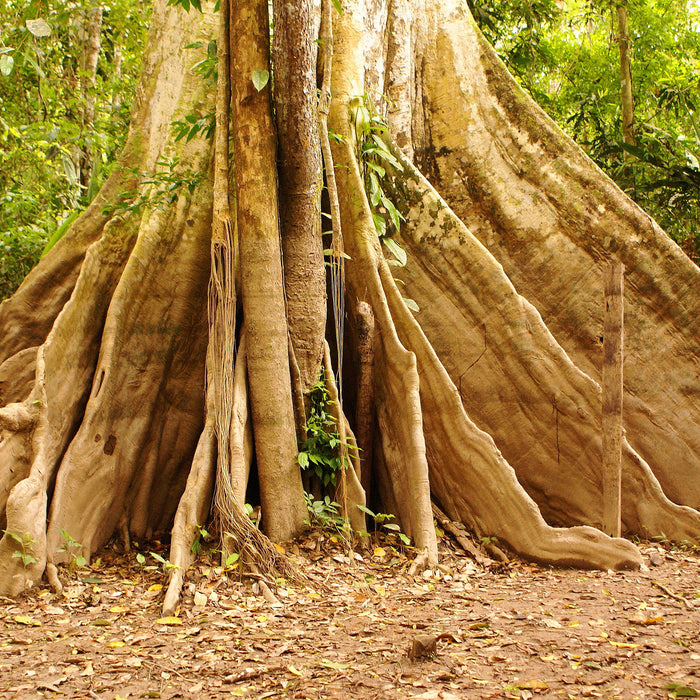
613, 343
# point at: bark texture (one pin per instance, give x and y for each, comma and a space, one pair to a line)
486, 399
299, 156
262, 286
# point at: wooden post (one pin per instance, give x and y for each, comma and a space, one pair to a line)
613, 334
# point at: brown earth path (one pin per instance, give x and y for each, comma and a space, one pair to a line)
520, 631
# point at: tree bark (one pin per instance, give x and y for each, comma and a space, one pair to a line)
299, 155
261, 277
626, 96
87, 86
612, 387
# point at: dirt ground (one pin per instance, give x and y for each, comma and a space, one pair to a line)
513, 630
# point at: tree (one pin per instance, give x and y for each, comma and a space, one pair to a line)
472, 318
570, 57
61, 123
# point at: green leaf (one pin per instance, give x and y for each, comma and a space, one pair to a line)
384, 152
377, 168
678, 690
379, 224
140, 558
231, 559
404, 538
38, 27
260, 79
7, 63
303, 459
411, 304
397, 251
365, 509
392, 526
56, 236
338, 6
396, 217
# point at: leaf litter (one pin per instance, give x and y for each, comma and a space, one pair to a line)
362, 627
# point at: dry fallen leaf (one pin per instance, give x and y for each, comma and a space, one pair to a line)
26, 620
172, 620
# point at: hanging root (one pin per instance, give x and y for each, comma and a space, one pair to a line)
350, 489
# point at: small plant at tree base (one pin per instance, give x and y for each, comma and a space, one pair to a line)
232, 560
165, 563
77, 561
320, 452
25, 552
381, 520
201, 536
325, 513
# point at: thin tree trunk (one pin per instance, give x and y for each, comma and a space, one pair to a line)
87, 86
261, 276
299, 167
626, 97
612, 397
116, 92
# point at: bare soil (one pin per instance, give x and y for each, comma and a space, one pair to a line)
358, 630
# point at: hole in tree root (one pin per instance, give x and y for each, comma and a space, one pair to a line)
110, 445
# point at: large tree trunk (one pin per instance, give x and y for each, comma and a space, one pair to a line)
486, 399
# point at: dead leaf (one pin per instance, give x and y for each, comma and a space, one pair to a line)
172, 620
26, 620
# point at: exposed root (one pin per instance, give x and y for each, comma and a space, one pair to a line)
421, 562
192, 510
522, 368
17, 417
458, 531
17, 376
53, 579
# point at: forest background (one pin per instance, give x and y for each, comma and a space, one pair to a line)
68, 71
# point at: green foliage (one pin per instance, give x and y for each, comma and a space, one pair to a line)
156, 190
375, 156
25, 543
320, 452
42, 44
186, 4
69, 545
323, 513
566, 56
164, 563
201, 536
381, 520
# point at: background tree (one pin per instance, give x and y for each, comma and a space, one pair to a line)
60, 129
567, 56
483, 398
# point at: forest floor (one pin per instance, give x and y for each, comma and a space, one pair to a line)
515, 630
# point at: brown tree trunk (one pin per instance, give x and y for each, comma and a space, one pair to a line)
299, 154
87, 86
626, 97
262, 287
